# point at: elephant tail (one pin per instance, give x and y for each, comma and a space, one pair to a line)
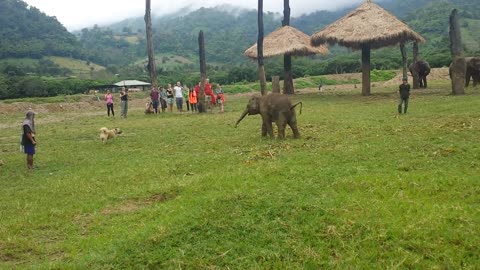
295, 105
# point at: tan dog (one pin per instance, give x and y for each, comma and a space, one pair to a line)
106, 134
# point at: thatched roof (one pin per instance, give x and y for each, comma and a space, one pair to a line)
286, 40
368, 24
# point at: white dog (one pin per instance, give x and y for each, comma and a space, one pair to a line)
106, 134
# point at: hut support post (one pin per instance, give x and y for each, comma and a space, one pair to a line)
404, 60
458, 67
261, 67
203, 73
416, 79
366, 70
276, 84
288, 79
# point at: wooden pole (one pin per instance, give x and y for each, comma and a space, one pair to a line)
458, 66
366, 66
276, 84
261, 67
203, 73
404, 60
150, 51
287, 59
414, 70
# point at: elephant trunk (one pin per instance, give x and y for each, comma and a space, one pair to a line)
241, 117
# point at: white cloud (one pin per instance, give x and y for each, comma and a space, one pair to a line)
78, 14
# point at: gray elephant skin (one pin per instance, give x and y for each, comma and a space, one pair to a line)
273, 108
472, 70
423, 69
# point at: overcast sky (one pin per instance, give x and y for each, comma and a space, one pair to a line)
77, 14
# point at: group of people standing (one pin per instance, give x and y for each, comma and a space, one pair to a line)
178, 95
165, 98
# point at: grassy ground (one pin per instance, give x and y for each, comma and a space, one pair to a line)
362, 188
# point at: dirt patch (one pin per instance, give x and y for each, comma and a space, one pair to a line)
134, 205
436, 74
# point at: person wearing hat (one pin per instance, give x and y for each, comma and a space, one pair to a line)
404, 90
28, 137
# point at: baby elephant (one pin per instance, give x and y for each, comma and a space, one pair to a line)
273, 108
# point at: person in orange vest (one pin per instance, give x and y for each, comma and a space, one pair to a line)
192, 98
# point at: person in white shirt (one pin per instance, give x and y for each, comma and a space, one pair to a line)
179, 96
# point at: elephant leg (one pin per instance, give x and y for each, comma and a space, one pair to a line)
293, 125
267, 122
476, 79
281, 124
264, 130
467, 78
425, 81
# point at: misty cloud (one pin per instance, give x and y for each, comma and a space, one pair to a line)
78, 14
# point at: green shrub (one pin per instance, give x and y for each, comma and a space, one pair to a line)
382, 75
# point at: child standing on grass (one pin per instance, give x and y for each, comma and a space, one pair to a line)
404, 90
220, 97
28, 137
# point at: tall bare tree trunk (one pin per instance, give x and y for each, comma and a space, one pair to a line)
151, 54
404, 60
287, 59
458, 66
203, 73
416, 78
261, 67
366, 67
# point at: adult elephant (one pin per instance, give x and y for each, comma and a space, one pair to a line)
273, 108
472, 70
423, 69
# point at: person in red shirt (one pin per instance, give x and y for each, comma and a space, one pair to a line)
197, 89
209, 92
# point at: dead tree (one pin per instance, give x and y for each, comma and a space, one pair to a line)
458, 66
203, 73
287, 59
150, 51
261, 66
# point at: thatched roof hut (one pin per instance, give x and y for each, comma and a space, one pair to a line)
367, 27
286, 40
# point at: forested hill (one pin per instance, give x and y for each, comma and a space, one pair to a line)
27, 32
228, 35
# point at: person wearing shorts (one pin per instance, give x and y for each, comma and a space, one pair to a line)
170, 97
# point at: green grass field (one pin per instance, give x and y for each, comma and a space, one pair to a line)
362, 189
